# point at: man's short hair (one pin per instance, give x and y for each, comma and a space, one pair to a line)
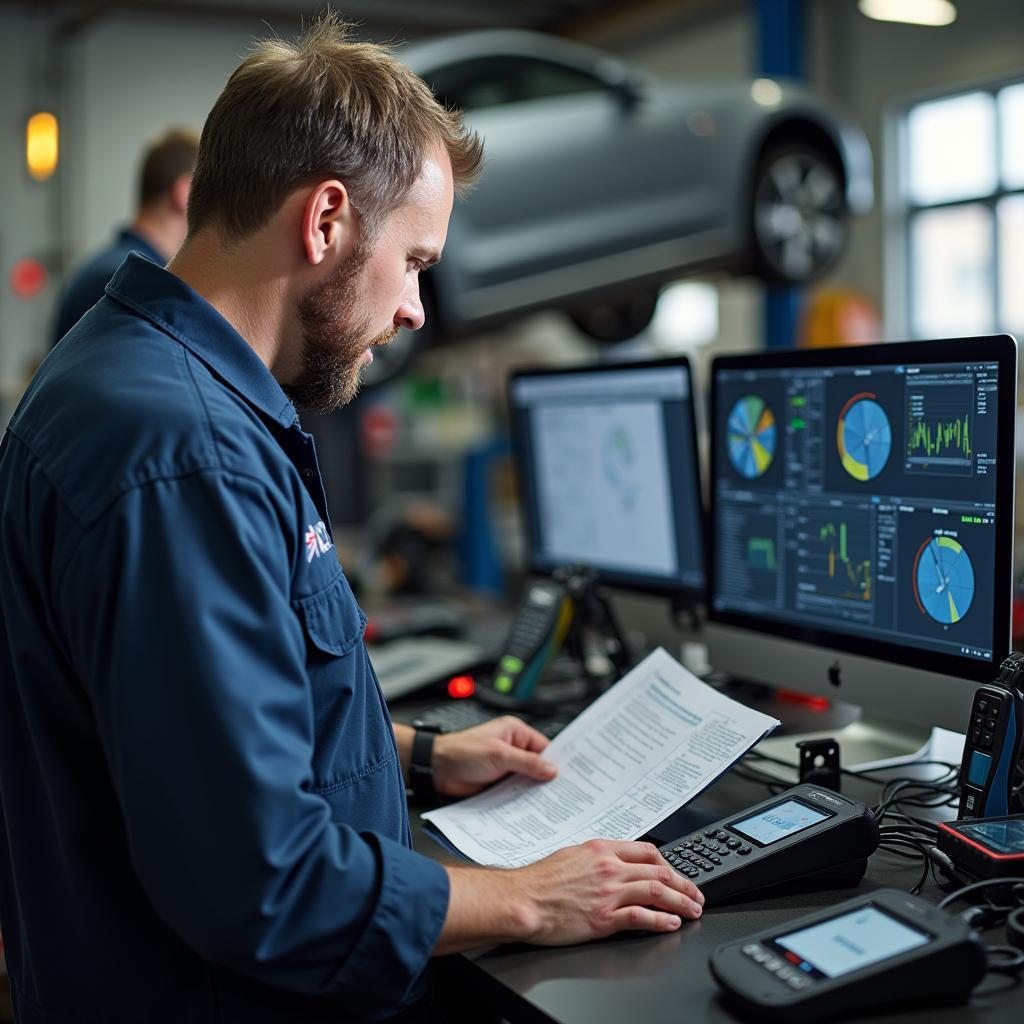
323, 107
166, 160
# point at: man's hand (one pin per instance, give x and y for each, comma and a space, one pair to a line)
464, 762
577, 894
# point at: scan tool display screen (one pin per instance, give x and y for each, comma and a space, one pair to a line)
1000, 836
775, 823
849, 942
608, 472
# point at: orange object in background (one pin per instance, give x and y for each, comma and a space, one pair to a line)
839, 316
41, 149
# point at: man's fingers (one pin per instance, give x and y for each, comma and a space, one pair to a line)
672, 878
633, 852
635, 919
527, 763
652, 893
525, 736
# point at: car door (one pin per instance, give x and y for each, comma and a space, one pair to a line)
577, 175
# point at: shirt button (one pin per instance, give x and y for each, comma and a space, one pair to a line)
308, 473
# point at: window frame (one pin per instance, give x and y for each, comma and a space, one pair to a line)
901, 210
583, 74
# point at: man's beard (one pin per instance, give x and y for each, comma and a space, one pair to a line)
333, 340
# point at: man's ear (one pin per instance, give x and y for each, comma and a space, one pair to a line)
328, 220
179, 192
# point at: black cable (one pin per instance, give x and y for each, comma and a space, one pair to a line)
890, 842
895, 847
1012, 965
987, 883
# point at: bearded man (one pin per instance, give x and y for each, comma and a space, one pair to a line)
203, 796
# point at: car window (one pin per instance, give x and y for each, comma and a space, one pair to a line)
494, 81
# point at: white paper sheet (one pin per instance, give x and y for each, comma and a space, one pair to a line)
652, 743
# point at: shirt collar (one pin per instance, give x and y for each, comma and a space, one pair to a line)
186, 316
128, 239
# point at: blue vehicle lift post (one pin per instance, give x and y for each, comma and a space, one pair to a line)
780, 51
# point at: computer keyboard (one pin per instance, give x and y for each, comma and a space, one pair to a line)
464, 714
416, 662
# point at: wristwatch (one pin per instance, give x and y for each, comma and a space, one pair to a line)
421, 770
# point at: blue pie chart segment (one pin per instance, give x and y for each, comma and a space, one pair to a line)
751, 436
943, 580
864, 437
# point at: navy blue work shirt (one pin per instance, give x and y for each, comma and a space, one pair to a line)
85, 287
202, 812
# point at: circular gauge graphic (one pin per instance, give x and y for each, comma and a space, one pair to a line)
943, 580
864, 437
751, 436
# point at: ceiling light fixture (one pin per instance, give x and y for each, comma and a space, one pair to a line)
910, 12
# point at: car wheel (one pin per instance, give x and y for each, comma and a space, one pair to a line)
392, 360
609, 322
800, 221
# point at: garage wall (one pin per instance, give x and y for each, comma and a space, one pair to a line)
176, 68
693, 39
27, 217
867, 64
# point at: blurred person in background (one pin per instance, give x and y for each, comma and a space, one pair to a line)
157, 231
204, 796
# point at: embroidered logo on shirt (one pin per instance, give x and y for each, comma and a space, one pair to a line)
317, 541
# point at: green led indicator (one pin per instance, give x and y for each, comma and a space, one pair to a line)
503, 684
511, 664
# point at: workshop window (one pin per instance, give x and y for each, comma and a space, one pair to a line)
962, 211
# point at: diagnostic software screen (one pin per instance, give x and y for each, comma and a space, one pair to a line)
608, 471
860, 500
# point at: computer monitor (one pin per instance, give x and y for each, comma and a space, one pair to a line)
861, 522
608, 473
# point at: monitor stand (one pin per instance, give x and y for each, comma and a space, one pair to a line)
870, 741
866, 740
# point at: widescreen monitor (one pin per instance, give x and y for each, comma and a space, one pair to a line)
861, 522
608, 473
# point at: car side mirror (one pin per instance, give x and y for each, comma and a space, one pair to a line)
622, 80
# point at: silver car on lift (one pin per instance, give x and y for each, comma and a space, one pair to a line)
602, 183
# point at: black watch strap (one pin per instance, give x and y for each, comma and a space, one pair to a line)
421, 771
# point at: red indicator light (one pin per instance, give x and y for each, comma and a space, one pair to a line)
460, 687
792, 958
28, 277
806, 699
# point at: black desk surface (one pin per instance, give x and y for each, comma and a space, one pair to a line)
665, 979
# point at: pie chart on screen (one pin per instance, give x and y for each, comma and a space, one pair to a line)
864, 437
943, 580
750, 435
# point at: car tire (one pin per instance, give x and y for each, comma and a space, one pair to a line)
392, 360
611, 322
799, 219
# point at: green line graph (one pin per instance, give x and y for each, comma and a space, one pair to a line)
944, 437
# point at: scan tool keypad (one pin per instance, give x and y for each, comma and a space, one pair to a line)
704, 851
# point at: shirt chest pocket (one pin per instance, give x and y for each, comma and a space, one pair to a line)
354, 739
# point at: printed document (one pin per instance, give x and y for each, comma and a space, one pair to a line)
656, 740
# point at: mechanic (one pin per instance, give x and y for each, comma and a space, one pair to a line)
157, 230
203, 800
